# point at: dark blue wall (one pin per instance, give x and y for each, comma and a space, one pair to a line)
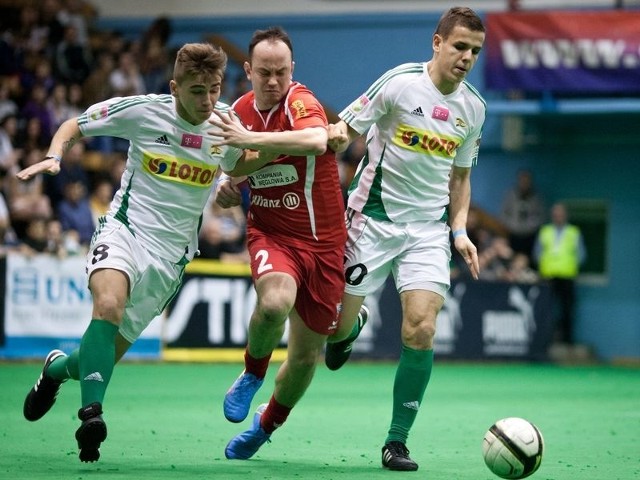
339, 56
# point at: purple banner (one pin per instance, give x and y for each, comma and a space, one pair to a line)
570, 52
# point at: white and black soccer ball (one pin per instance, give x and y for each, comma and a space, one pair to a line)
512, 448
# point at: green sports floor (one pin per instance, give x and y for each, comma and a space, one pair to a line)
165, 422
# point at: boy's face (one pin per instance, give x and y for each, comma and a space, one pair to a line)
196, 97
456, 56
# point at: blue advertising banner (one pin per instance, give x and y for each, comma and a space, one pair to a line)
47, 305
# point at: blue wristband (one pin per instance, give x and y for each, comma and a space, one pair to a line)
460, 232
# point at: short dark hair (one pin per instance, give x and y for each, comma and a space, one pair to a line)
271, 34
462, 16
197, 59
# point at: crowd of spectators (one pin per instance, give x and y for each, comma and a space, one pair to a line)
506, 242
54, 63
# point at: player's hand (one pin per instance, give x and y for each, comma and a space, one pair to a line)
228, 194
231, 131
50, 166
470, 254
338, 138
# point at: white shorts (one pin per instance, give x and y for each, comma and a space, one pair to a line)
418, 255
153, 281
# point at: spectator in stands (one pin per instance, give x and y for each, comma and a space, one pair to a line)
155, 63
560, 251
27, 200
38, 71
34, 240
100, 198
49, 11
29, 33
36, 106
522, 213
495, 260
5, 224
31, 136
78, 14
213, 244
71, 170
58, 243
9, 155
520, 270
75, 213
126, 79
76, 100
8, 106
72, 59
95, 89
58, 105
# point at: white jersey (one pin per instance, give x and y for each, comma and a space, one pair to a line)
416, 134
169, 173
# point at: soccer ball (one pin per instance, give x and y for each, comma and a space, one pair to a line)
512, 448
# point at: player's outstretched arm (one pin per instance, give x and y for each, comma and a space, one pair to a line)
308, 141
67, 135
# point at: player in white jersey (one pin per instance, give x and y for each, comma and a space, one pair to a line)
410, 191
140, 248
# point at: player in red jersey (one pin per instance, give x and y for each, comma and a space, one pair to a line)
296, 233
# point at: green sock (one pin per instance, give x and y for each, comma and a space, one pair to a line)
63, 368
355, 331
97, 359
412, 378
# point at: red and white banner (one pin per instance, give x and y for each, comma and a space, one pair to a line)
564, 51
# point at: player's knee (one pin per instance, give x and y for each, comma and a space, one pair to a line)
108, 307
275, 308
418, 332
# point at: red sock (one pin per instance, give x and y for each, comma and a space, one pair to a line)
274, 416
256, 366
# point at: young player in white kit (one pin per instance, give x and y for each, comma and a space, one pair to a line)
411, 189
140, 248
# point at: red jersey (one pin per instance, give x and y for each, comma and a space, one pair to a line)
296, 199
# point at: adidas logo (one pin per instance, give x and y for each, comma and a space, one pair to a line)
415, 405
162, 140
95, 376
418, 112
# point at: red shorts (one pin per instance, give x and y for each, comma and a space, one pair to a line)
319, 276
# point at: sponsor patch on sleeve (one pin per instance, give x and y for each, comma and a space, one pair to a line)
298, 107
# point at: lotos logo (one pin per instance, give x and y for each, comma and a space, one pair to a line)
425, 141
184, 171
